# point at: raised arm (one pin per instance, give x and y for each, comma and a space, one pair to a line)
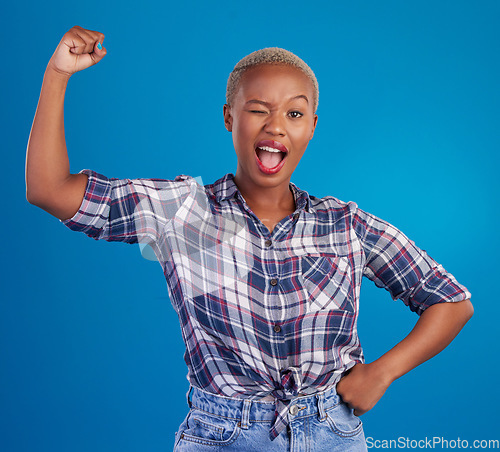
49, 184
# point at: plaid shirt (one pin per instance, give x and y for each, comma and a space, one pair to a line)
263, 313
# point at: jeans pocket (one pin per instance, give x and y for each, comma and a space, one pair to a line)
342, 420
209, 429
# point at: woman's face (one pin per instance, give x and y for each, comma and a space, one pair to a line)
272, 120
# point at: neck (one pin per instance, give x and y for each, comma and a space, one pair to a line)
277, 197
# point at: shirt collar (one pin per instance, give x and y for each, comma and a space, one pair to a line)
225, 188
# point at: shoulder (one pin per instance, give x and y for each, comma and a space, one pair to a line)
330, 207
182, 179
331, 203
222, 188
344, 214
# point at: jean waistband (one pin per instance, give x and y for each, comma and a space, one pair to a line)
260, 411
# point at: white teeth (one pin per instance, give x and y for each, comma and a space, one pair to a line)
268, 149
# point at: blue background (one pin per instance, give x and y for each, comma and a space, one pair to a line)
91, 354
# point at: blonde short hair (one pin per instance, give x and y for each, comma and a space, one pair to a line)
269, 55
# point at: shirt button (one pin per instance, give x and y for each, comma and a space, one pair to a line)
294, 409
277, 328
268, 242
274, 282
296, 215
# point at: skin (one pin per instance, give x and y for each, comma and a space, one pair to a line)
272, 102
270, 199
438, 325
49, 184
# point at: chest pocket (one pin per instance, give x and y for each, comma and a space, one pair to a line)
327, 279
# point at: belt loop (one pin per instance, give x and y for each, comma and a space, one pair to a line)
245, 414
188, 397
321, 407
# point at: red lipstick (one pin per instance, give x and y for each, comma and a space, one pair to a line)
270, 146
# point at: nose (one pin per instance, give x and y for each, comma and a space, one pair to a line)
275, 124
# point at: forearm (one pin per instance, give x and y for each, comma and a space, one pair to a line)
365, 384
435, 329
47, 162
49, 184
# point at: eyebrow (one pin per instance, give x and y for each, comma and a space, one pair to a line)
257, 101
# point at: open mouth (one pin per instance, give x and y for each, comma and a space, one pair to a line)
271, 156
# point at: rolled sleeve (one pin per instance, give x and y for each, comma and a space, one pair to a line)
93, 213
128, 210
394, 262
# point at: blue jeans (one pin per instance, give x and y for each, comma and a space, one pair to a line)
321, 422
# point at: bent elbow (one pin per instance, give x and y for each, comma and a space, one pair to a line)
469, 309
32, 198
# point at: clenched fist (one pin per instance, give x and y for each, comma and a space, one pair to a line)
79, 49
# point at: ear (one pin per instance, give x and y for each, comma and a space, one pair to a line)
315, 121
228, 119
